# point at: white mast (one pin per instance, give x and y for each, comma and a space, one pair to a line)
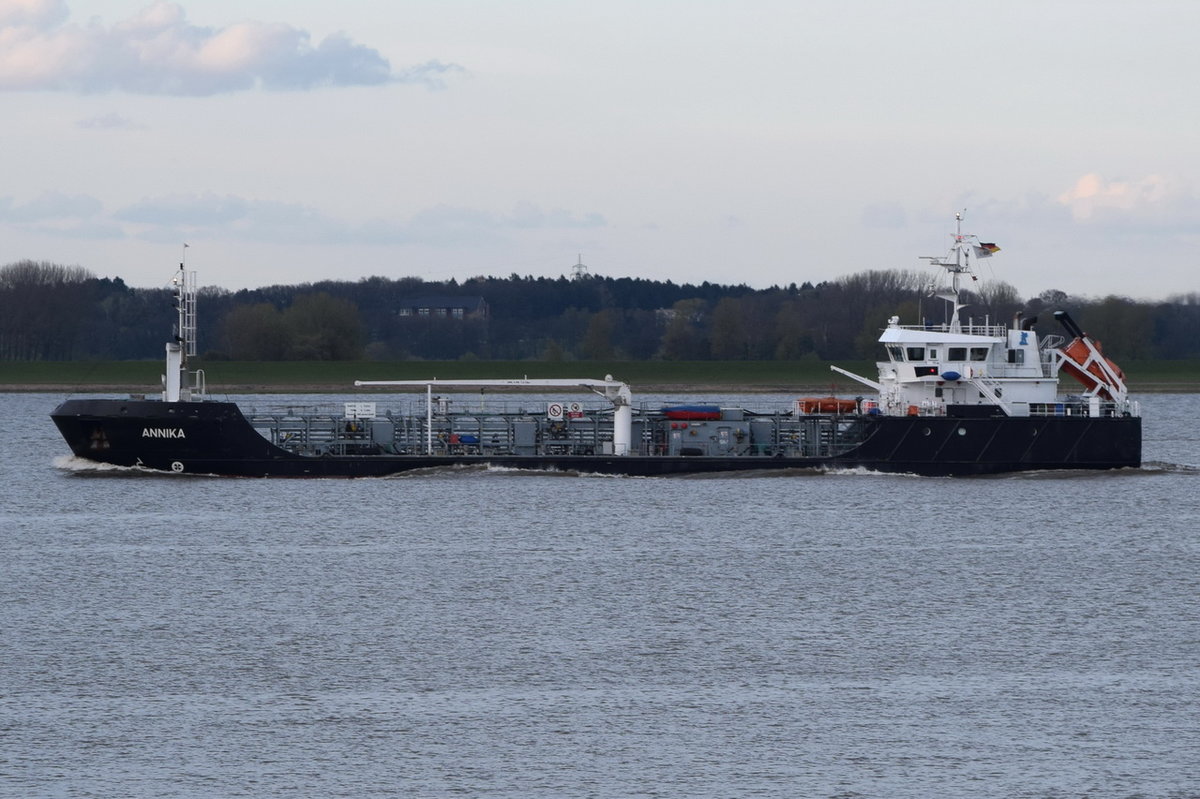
964, 244
176, 386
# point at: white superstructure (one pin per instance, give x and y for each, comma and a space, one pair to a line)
932, 366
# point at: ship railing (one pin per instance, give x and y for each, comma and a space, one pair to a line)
199, 385
780, 432
968, 328
317, 433
1052, 341
805, 436
453, 407
1084, 406
1051, 356
464, 434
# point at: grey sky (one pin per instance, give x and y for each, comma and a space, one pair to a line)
763, 142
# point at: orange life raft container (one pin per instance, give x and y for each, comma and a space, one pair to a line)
827, 405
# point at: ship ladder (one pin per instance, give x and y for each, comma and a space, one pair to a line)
990, 389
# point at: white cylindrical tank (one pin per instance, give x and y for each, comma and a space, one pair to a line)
622, 429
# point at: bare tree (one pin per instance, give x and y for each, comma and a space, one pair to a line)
43, 309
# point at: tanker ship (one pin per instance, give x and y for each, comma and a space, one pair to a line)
955, 398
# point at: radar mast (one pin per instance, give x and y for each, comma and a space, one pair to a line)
957, 262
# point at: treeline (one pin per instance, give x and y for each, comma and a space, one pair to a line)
54, 312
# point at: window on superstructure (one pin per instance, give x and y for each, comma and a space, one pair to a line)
979, 353
958, 353
895, 353
1016, 356
933, 355
915, 353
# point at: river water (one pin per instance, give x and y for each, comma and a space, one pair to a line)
499, 634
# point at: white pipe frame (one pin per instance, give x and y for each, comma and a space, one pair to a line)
614, 391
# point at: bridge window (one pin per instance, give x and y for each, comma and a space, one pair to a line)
958, 353
979, 353
915, 353
895, 353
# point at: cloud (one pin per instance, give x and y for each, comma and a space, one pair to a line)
200, 210
159, 52
178, 216
528, 215
448, 225
1092, 195
50, 206
58, 215
428, 74
37, 13
84, 231
1154, 206
110, 121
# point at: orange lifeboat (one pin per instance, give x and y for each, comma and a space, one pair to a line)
1083, 357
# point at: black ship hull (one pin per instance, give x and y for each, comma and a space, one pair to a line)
216, 438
